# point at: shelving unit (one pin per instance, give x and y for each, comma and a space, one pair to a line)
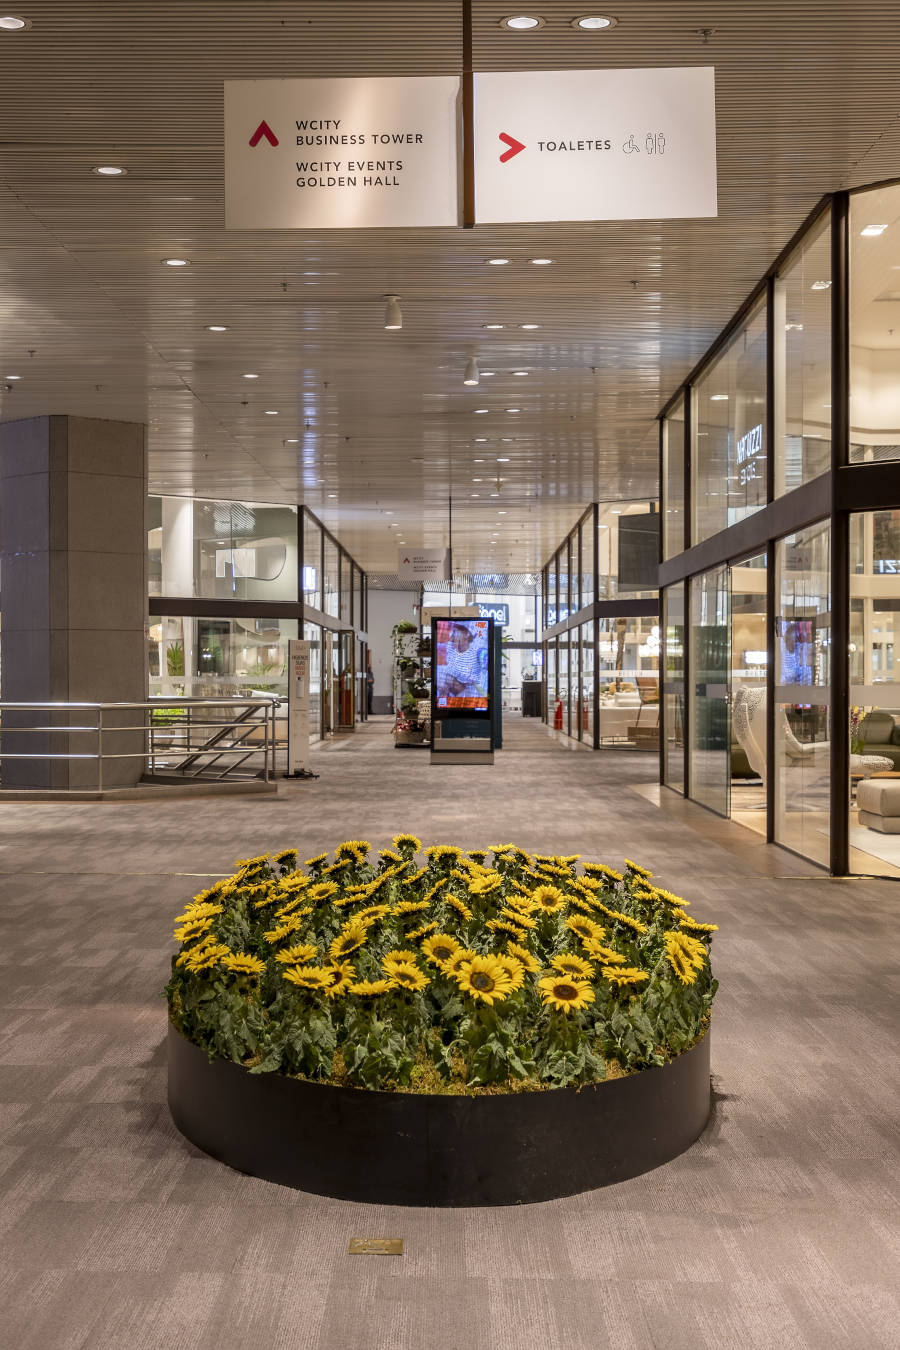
412, 688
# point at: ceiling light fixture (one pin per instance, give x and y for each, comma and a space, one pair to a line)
176, 262
479, 440
271, 412
540, 262
393, 315
522, 23
594, 23
529, 325
512, 410
820, 286
109, 171
502, 459
492, 326
520, 372
870, 231
486, 374
471, 375
481, 410
216, 328
292, 440
498, 262
250, 376
718, 398
11, 23
13, 377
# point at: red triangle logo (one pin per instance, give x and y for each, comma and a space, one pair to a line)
263, 130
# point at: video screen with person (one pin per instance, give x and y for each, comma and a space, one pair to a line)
461, 664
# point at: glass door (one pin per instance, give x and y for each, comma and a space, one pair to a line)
710, 650
749, 658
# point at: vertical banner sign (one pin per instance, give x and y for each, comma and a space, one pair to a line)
341, 153
595, 145
298, 705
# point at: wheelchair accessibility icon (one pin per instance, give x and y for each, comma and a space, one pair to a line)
631, 146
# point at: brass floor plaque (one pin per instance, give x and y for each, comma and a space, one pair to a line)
376, 1246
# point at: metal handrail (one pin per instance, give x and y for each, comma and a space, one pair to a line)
258, 713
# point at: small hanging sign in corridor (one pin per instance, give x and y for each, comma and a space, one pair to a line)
341, 153
595, 145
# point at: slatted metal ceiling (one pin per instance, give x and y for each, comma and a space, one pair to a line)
806, 101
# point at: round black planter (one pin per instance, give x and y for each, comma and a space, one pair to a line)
402, 1148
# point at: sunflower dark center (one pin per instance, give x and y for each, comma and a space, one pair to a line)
565, 992
443, 953
482, 981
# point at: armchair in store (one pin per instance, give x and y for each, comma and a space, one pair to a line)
749, 722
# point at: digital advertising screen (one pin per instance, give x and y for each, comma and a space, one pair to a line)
462, 664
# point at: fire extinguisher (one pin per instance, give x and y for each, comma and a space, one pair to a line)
584, 714
557, 716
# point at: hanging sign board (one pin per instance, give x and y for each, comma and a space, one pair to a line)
595, 145
341, 153
298, 705
422, 564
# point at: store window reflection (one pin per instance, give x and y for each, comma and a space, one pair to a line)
874, 327
749, 658
803, 692
628, 675
710, 646
312, 562
673, 480
219, 658
222, 550
802, 329
729, 479
628, 550
673, 685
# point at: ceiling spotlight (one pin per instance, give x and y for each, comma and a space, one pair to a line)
481, 410
540, 262
718, 398
292, 440
486, 374
216, 328
177, 262
11, 23
471, 375
271, 412
522, 23
502, 459
520, 372
393, 315
250, 376
498, 262
332, 494
594, 22
479, 439
529, 325
871, 230
109, 171
492, 325
512, 410
13, 377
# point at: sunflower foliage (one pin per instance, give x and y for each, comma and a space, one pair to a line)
440, 970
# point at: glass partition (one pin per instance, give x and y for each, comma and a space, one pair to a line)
222, 550
588, 592
875, 325
749, 659
628, 550
312, 562
218, 658
346, 593
552, 594
673, 685
586, 715
673, 481
330, 577
802, 352
729, 453
313, 634
709, 722
803, 692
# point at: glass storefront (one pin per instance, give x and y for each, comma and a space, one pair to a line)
802, 341
222, 550
673, 459
218, 658
673, 686
874, 327
710, 648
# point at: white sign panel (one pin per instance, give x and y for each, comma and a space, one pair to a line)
342, 153
595, 145
422, 564
298, 705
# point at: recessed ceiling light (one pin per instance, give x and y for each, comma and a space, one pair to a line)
793, 327
109, 171
332, 494
480, 439
477, 480
718, 398
501, 513
540, 262
820, 286
498, 262
512, 410
11, 23
271, 412
251, 376
486, 374
481, 410
529, 325
177, 262
520, 372
502, 459
522, 23
477, 461
12, 377
216, 328
492, 325
594, 23
292, 440
473, 494
870, 230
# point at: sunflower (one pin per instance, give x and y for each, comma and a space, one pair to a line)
557, 991
522, 903
440, 947
626, 919
421, 932
317, 861
308, 977
514, 969
506, 926
523, 956
290, 907
686, 955
587, 885
485, 978
515, 916
429, 895
372, 913
410, 907
416, 876
485, 885
637, 870
407, 843
405, 975
455, 963
203, 957
245, 863
624, 975
550, 899
584, 928
283, 930
477, 855
460, 906
356, 848
336, 866
189, 932
669, 898
322, 890
443, 853
241, 963
601, 870
390, 856
369, 988
199, 910
567, 963
693, 926
341, 975
581, 904
285, 857
351, 936
297, 955
607, 955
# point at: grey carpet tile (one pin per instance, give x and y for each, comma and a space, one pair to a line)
777, 1229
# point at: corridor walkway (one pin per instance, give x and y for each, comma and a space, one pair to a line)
778, 1229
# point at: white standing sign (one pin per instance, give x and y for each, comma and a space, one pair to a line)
595, 145
341, 153
298, 705
422, 564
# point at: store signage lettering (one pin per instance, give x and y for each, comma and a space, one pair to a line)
273, 182
595, 145
749, 448
891, 565
499, 613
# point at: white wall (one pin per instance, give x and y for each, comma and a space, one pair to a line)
385, 609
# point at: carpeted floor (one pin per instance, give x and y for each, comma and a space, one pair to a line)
777, 1229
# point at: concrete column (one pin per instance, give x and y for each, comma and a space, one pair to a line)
73, 550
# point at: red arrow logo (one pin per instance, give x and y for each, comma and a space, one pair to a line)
514, 147
263, 130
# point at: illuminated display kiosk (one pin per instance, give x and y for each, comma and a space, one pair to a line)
462, 690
